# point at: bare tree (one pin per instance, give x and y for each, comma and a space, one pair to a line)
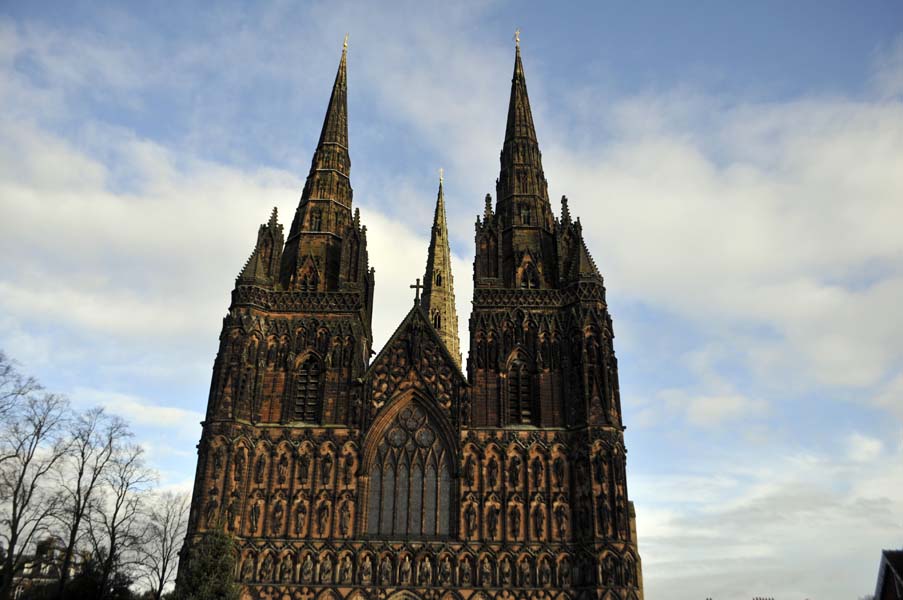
116, 528
32, 443
95, 437
14, 387
158, 557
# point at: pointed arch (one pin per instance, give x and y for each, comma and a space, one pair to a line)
306, 402
408, 458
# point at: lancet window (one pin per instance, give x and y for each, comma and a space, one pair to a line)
520, 400
307, 391
410, 480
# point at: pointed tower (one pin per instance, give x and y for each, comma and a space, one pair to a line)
438, 283
312, 261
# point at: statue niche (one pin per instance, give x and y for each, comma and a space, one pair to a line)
410, 491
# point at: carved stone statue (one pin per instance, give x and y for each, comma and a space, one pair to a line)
300, 517
277, 517
285, 568
561, 520
492, 472
282, 469
558, 470
466, 571
255, 517
525, 578
425, 576
266, 568
539, 521
211, 513
492, 518
345, 569
239, 465
470, 518
485, 572
326, 569
307, 569
259, 467
545, 573
514, 521
445, 571
217, 461
598, 468
514, 471
323, 518
385, 571
326, 469
344, 519
247, 569
564, 573
505, 572
536, 467
469, 474
347, 470
366, 570
303, 467
405, 571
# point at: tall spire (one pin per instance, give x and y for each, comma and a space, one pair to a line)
522, 191
438, 284
325, 206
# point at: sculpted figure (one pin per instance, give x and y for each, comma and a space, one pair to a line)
485, 572
539, 520
545, 573
492, 518
492, 471
558, 470
385, 571
266, 568
282, 469
561, 520
303, 467
345, 569
445, 571
277, 517
212, 512
514, 520
326, 469
405, 571
255, 516
347, 471
514, 471
259, 467
239, 465
322, 518
598, 468
307, 569
564, 572
344, 518
285, 568
525, 578
470, 517
232, 514
426, 572
217, 461
366, 570
505, 572
466, 573
469, 473
247, 569
536, 467
326, 569
300, 516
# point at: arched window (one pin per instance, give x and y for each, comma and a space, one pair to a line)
410, 480
438, 279
520, 401
437, 320
307, 391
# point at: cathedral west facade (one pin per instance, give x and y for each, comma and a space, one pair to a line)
413, 475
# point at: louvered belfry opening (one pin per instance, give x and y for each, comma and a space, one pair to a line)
307, 391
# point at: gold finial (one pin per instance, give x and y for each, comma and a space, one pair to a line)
345, 44
440, 175
517, 37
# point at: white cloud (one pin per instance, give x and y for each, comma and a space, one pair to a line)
863, 448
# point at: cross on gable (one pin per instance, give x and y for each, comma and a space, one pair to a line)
417, 287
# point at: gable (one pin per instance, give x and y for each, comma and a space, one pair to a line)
414, 358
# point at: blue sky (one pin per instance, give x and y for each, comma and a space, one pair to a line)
738, 169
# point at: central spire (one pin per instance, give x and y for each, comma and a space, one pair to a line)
438, 283
521, 190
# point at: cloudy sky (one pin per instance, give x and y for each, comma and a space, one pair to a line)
738, 168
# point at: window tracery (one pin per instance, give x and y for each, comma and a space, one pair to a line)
410, 479
307, 391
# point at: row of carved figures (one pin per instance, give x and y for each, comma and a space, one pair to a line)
336, 349
320, 472
426, 571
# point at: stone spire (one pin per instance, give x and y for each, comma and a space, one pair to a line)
521, 191
325, 206
438, 284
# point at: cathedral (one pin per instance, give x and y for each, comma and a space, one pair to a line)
343, 473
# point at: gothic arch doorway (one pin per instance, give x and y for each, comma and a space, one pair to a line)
409, 465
